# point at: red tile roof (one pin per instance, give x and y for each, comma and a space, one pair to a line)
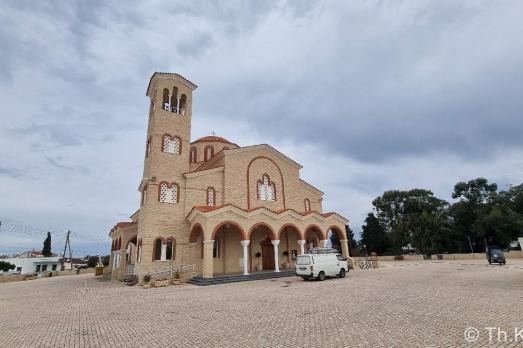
213, 138
206, 208
122, 225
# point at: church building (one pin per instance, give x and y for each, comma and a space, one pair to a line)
213, 206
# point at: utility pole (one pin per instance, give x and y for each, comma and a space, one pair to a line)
67, 244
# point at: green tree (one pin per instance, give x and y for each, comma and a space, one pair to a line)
105, 260
514, 198
6, 266
374, 237
92, 261
501, 222
414, 217
353, 243
390, 211
475, 192
46, 251
486, 216
335, 241
426, 218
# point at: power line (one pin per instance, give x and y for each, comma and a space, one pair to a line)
82, 239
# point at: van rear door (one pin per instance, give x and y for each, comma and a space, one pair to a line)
303, 260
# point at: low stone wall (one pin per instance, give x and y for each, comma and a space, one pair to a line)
4, 278
393, 258
513, 254
73, 272
19, 277
469, 256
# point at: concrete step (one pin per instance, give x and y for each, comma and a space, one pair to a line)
235, 278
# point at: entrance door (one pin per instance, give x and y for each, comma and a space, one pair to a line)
267, 254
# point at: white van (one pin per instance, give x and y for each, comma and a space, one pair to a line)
320, 265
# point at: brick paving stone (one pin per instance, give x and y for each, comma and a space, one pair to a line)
424, 304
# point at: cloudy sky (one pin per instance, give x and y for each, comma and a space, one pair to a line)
366, 95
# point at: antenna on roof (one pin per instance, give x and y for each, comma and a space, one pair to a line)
213, 133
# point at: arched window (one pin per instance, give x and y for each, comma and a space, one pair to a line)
170, 249
211, 196
164, 250
266, 189
183, 104
165, 99
193, 157
157, 254
168, 193
148, 148
144, 196
208, 152
171, 144
119, 243
307, 204
174, 100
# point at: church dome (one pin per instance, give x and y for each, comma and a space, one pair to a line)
214, 138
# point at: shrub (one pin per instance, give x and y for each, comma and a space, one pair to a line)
92, 261
147, 278
6, 266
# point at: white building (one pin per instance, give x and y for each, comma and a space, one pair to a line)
28, 265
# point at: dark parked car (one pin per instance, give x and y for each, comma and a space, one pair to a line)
495, 255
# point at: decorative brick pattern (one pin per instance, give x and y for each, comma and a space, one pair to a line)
171, 144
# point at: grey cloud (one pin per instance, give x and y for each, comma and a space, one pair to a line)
369, 84
55, 162
11, 172
378, 99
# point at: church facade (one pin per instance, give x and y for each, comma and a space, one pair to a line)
212, 205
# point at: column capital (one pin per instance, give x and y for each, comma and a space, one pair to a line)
344, 240
275, 242
245, 242
208, 241
301, 242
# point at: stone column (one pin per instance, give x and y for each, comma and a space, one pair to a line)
245, 244
113, 265
178, 104
169, 103
164, 252
276, 259
325, 241
344, 247
301, 242
207, 265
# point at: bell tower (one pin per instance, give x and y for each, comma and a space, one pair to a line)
169, 129
166, 159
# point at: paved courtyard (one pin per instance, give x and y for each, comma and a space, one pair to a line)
403, 304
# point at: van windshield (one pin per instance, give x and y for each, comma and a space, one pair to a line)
303, 260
